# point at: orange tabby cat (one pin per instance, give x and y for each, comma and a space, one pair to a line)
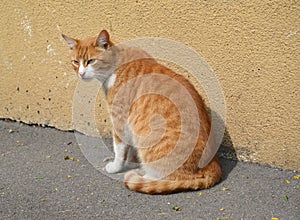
158, 117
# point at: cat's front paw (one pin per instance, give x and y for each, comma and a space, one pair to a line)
108, 159
113, 167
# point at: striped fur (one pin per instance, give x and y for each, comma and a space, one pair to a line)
151, 114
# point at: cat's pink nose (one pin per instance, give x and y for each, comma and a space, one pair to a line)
81, 74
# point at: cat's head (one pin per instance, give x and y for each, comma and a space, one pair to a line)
91, 57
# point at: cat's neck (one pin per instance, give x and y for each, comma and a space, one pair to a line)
126, 54
122, 54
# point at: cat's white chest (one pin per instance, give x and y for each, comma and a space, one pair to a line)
110, 81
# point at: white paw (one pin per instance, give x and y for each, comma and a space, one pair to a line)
108, 159
112, 167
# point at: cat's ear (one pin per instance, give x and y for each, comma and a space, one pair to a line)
102, 40
71, 42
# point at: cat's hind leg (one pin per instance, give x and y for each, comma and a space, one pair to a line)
132, 160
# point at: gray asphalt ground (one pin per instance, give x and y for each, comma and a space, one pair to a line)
34, 184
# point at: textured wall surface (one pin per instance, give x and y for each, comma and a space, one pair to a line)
253, 48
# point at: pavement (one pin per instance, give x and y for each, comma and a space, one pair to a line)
44, 174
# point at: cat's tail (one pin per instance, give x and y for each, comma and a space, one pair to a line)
135, 182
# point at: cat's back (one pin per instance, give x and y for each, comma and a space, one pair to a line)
143, 74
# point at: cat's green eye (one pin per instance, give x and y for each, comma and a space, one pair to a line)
75, 62
91, 61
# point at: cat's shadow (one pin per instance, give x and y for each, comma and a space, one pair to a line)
226, 151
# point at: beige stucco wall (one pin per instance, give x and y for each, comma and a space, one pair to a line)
253, 48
